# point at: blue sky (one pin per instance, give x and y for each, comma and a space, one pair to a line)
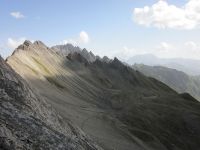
109, 27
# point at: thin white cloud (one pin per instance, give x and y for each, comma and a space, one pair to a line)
163, 15
189, 49
14, 43
7, 48
191, 44
3, 51
164, 46
83, 38
17, 15
125, 53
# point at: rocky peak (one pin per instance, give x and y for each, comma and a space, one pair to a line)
39, 43
23, 46
76, 57
88, 55
116, 61
91, 54
106, 59
84, 50
27, 43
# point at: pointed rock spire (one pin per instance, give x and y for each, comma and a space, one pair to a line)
27, 43
39, 43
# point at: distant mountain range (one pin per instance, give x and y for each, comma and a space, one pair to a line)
67, 98
178, 80
188, 66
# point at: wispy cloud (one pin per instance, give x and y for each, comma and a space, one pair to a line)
14, 43
8, 46
164, 46
3, 52
17, 15
83, 38
163, 15
188, 49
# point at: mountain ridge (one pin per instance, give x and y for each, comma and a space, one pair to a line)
118, 107
69, 48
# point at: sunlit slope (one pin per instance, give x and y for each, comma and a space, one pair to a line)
116, 106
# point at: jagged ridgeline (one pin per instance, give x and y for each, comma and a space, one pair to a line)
114, 105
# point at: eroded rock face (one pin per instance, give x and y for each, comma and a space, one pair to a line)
28, 122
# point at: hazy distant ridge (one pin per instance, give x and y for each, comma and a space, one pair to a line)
188, 66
